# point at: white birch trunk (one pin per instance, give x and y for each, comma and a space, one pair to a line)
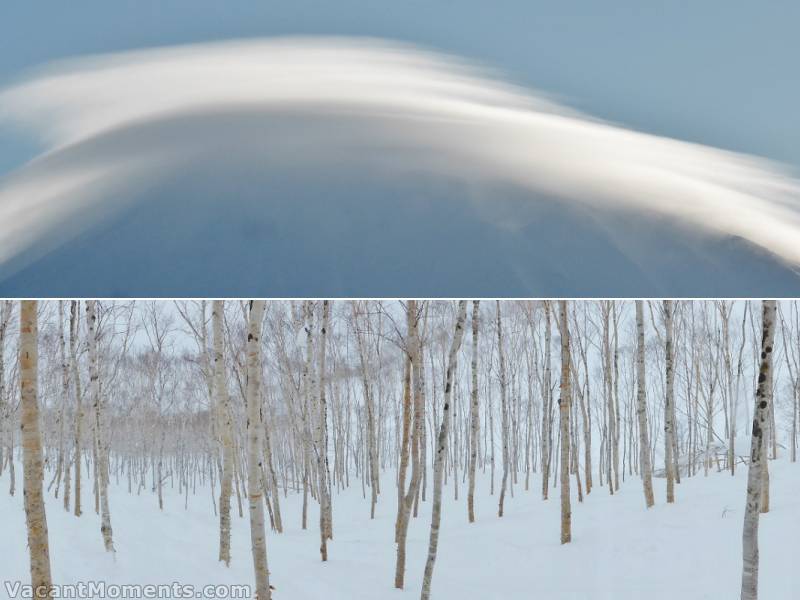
35, 517
101, 466
757, 455
669, 404
74, 324
641, 409
255, 430
441, 448
223, 414
417, 442
65, 391
474, 415
503, 409
611, 435
405, 441
564, 405
372, 454
5, 317
547, 422
325, 517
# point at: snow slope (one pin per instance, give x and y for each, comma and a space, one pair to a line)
620, 550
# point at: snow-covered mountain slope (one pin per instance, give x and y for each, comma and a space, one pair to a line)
302, 167
620, 550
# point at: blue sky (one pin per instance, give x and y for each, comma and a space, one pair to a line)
717, 72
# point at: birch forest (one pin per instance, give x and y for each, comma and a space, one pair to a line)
448, 449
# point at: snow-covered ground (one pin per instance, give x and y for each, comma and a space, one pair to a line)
620, 550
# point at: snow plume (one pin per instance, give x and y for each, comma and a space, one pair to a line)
115, 125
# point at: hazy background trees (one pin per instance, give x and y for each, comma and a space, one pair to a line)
314, 397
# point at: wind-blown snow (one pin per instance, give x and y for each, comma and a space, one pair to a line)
120, 125
620, 550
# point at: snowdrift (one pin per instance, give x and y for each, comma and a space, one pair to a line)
620, 550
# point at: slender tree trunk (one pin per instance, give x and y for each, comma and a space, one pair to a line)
372, 451
669, 404
223, 413
5, 317
617, 413
309, 396
641, 409
546, 406
74, 324
65, 392
61, 418
611, 419
731, 454
673, 417
586, 421
419, 432
67, 484
95, 463
405, 442
417, 442
273, 478
35, 516
474, 415
325, 517
503, 410
757, 455
765, 482
441, 448
101, 466
255, 430
564, 404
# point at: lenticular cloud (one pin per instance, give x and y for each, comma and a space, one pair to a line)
116, 127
